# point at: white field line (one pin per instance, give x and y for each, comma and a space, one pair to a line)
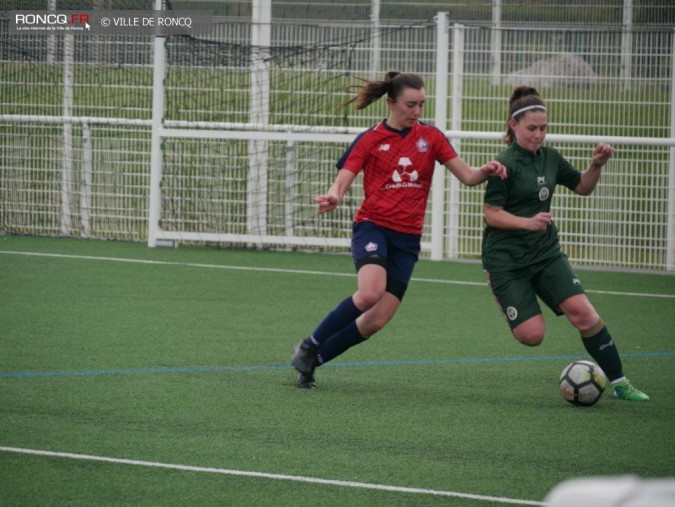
263, 475
293, 271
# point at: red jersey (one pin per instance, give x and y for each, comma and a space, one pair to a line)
397, 170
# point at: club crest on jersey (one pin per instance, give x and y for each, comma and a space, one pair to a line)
544, 193
403, 173
422, 145
371, 247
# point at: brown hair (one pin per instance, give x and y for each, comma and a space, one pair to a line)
393, 84
522, 97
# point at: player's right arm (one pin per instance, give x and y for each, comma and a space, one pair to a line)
499, 218
331, 199
471, 176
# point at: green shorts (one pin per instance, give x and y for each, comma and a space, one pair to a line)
516, 291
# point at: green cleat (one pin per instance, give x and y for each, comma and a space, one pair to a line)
624, 390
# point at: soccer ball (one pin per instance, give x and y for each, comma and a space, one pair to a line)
582, 383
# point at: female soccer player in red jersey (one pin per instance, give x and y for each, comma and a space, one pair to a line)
397, 157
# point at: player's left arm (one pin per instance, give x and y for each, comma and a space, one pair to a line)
474, 175
590, 177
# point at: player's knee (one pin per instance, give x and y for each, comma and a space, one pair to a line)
585, 320
365, 299
371, 327
371, 324
531, 340
530, 334
580, 312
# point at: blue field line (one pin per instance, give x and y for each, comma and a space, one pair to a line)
351, 364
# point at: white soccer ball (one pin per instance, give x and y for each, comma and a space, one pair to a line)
582, 383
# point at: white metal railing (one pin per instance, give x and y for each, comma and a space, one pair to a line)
292, 138
445, 199
449, 227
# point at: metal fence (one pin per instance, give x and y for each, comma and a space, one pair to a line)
76, 127
539, 13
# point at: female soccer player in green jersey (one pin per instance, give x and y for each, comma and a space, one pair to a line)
521, 252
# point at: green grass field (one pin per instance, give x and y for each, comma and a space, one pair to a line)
178, 360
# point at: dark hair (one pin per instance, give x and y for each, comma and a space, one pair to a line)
522, 97
393, 84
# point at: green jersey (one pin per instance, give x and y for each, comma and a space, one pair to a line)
526, 191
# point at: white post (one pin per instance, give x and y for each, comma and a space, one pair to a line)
456, 123
670, 243
85, 194
290, 188
496, 42
51, 39
627, 45
375, 42
440, 120
261, 40
158, 75
67, 162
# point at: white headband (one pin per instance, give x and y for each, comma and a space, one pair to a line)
528, 108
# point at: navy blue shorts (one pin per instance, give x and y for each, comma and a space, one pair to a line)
396, 251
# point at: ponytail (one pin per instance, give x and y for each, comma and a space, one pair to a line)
393, 84
523, 99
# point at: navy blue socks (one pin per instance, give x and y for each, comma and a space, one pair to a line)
339, 343
335, 321
337, 332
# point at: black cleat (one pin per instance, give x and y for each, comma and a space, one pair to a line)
306, 381
304, 358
